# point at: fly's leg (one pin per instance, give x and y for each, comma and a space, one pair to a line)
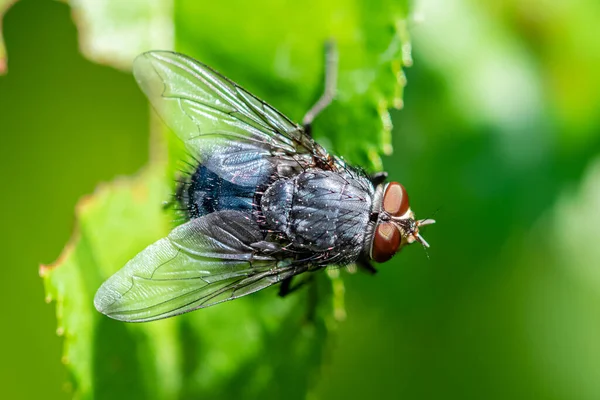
287, 288
284, 288
331, 71
364, 264
378, 178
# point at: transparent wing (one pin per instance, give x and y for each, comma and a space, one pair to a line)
231, 131
206, 261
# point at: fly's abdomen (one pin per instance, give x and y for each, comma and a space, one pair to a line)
321, 211
206, 192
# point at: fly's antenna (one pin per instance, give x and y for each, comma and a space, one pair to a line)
428, 221
421, 240
418, 237
424, 222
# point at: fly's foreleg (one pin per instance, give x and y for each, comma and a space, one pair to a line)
364, 264
378, 178
331, 71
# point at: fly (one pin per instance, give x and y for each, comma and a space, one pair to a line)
264, 203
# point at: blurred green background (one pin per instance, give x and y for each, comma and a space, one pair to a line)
499, 137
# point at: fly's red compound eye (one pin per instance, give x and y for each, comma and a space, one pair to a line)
386, 242
395, 200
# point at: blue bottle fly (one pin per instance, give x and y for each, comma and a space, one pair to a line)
263, 204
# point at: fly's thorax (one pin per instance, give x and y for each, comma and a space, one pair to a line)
324, 212
393, 224
276, 204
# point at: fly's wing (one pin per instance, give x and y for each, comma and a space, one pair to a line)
203, 262
231, 131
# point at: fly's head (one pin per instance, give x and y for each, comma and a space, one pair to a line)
396, 225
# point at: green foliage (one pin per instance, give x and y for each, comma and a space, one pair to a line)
260, 346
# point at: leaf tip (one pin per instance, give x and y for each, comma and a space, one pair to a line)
46, 269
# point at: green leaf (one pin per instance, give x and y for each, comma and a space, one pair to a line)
259, 346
